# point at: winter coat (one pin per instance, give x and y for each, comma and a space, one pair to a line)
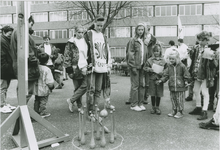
33, 68
206, 70
71, 58
6, 59
134, 54
177, 75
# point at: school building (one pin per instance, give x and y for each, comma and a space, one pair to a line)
56, 21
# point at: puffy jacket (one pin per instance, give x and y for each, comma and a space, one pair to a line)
177, 76
6, 59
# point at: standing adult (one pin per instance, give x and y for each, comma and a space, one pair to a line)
99, 61
75, 61
33, 68
49, 49
150, 41
136, 58
169, 50
203, 73
6, 68
182, 49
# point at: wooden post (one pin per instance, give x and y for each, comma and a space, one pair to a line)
22, 114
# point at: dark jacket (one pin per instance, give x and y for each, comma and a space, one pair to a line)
150, 45
207, 68
71, 58
33, 69
177, 76
6, 59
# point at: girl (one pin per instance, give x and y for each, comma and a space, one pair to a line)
75, 61
177, 74
155, 91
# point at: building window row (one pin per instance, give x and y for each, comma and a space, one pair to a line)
165, 11
186, 10
124, 32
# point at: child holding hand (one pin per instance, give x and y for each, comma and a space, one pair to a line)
178, 76
155, 91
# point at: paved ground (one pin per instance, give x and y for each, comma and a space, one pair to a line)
136, 130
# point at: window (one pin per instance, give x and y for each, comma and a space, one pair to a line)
77, 15
166, 31
6, 19
41, 33
118, 51
58, 16
121, 14
142, 11
71, 32
58, 34
119, 32
39, 2
40, 17
215, 29
5, 3
187, 10
211, 9
133, 31
191, 30
54, 1
165, 11
14, 18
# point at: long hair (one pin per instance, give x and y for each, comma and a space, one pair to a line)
136, 34
157, 47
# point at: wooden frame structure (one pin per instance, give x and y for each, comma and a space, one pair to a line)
23, 133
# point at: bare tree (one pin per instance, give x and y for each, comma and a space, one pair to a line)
109, 10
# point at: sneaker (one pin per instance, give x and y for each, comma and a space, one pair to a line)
196, 111
5, 109
172, 114
209, 125
136, 108
178, 115
44, 115
189, 98
142, 107
11, 107
158, 111
203, 116
70, 105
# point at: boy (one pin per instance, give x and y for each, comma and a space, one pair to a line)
44, 86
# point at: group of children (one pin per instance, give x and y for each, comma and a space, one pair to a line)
203, 71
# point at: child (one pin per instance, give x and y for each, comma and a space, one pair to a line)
44, 87
203, 72
58, 69
178, 75
155, 91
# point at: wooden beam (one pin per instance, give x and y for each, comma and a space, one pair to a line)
28, 128
9, 121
